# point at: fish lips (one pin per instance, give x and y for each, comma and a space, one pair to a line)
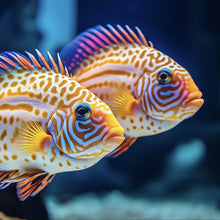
194, 100
114, 138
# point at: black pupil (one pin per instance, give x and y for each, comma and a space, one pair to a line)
163, 76
82, 111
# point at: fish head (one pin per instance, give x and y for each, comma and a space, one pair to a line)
166, 90
88, 131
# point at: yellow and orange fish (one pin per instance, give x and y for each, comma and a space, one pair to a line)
147, 90
48, 123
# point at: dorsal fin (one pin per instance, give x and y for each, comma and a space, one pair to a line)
93, 39
10, 61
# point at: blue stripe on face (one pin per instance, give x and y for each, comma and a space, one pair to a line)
72, 134
96, 138
58, 120
83, 123
63, 143
68, 137
97, 127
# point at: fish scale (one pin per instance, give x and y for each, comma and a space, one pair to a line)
106, 74
148, 91
108, 68
35, 110
41, 130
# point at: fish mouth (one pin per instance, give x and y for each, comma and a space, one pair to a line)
194, 100
114, 138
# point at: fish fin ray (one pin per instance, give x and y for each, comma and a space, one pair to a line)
30, 137
122, 102
4, 175
33, 60
33, 185
18, 176
61, 67
52, 63
94, 39
123, 147
42, 60
10, 61
4, 185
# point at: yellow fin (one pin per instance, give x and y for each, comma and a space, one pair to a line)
123, 102
30, 137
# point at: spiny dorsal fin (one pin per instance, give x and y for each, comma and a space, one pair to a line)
10, 61
94, 39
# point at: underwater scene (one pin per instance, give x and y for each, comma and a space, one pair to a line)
109, 110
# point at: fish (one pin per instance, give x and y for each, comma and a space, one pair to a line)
147, 90
49, 123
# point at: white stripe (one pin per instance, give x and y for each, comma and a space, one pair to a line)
84, 123
62, 113
67, 136
97, 127
79, 148
97, 118
63, 143
167, 100
73, 135
58, 120
96, 138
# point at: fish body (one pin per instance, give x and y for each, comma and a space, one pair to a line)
148, 91
49, 123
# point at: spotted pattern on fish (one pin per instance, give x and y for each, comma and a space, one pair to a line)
40, 132
119, 62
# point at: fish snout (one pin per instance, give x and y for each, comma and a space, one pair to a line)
113, 138
194, 100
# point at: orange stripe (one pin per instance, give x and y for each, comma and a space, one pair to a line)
21, 93
22, 106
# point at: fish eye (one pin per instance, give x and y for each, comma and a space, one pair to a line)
164, 76
83, 111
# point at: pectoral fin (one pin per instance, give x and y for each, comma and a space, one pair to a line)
30, 137
123, 103
123, 147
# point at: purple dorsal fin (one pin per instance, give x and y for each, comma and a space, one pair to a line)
93, 39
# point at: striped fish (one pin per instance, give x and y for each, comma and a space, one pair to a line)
148, 92
48, 123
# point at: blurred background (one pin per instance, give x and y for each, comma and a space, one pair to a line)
175, 170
